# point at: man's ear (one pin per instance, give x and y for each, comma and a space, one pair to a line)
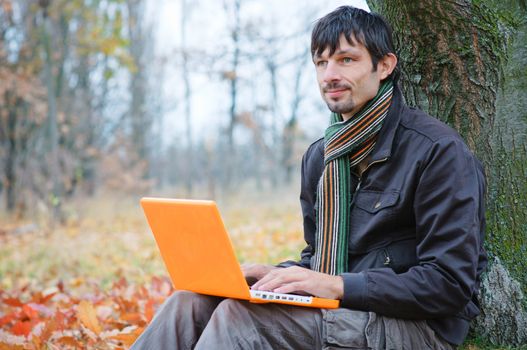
386, 65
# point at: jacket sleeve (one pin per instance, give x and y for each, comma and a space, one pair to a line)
312, 167
448, 209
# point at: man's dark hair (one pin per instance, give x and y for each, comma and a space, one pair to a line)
369, 29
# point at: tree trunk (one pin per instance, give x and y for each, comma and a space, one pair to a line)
511, 104
451, 52
140, 123
274, 172
232, 76
235, 34
188, 99
290, 129
10, 161
53, 130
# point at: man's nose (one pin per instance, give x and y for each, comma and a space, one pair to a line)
332, 72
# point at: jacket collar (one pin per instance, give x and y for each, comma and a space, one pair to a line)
383, 148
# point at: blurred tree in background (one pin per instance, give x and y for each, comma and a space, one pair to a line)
60, 66
82, 101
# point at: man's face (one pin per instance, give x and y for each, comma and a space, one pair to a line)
347, 79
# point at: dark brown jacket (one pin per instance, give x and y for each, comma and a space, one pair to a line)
417, 224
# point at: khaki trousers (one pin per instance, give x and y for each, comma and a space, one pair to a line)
193, 321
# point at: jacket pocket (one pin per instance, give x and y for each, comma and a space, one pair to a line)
373, 201
345, 329
373, 220
399, 256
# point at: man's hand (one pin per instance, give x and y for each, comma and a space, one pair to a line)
256, 270
295, 278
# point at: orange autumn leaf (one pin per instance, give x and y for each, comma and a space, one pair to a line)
30, 312
67, 340
126, 338
127, 305
37, 342
45, 298
12, 302
49, 327
149, 310
133, 317
86, 314
4, 346
8, 318
22, 328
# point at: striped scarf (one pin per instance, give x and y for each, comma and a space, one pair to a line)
346, 144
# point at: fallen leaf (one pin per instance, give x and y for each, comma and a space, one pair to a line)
46, 297
8, 318
133, 317
22, 328
68, 340
4, 346
86, 314
149, 310
13, 302
49, 328
126, 338
30, 312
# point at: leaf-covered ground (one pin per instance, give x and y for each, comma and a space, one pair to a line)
96, 282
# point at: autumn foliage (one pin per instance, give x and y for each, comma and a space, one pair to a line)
54, 319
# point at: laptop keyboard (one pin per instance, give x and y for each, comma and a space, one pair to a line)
262, 295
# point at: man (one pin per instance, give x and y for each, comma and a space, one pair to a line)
392, 201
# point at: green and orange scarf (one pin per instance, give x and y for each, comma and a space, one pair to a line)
346, 144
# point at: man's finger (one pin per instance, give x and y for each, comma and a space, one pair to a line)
268, 282
268, 277
277, 278
291, 288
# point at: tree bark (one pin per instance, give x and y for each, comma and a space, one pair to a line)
185, 13
140, 123
290, 129
53, 129
451, 53
235, 34
10, 161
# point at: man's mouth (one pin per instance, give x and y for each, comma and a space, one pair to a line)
335, 93
335, 90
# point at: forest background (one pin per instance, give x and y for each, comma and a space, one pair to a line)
105, 101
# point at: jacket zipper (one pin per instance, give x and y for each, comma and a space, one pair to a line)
367, 167
387, 259
375, 162
358, 185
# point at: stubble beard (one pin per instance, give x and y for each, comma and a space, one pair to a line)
340, 107
343, 106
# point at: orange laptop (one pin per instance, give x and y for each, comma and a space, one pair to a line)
199, 255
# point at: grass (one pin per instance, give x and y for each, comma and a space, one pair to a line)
107, 237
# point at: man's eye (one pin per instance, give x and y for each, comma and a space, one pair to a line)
321, 63
347, 60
